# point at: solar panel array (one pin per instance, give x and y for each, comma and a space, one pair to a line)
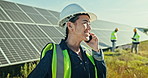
25, 30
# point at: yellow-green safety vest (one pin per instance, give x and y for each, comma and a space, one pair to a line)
61, 64
113, 36
136, 37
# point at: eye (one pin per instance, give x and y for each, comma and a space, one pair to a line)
86, 23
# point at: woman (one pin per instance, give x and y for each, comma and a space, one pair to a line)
81, 64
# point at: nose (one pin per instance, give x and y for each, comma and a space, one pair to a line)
88, 26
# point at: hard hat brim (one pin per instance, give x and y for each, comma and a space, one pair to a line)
93, 17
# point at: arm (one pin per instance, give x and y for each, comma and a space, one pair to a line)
100, 64
43, 69
133, 38
98, 56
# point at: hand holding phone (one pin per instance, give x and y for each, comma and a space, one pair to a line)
93, 42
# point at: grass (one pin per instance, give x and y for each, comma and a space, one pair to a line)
124, 64
120, 64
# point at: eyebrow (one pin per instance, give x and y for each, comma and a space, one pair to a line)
85, 20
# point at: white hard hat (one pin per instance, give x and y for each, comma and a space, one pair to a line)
71, 10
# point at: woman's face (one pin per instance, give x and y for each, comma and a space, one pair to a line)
82, 27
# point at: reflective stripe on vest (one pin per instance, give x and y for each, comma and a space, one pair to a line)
62, 69
113, 36
136, 37
55, 61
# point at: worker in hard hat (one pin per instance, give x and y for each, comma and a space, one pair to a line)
135, 41
69, 59
114, 39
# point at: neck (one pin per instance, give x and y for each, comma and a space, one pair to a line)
73, 43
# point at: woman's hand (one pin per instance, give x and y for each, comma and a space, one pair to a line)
94, 42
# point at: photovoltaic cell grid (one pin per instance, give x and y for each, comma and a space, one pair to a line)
14, 12
3, 16
48, 15
14, 46
25, 30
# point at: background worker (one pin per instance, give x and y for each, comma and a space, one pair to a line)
135, 41
77, 62
114, 39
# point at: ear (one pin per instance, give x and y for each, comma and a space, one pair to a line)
70, 26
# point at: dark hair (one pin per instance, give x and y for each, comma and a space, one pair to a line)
73, 20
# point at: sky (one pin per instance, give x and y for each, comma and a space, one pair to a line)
129, 12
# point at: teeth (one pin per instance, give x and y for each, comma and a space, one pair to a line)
87, 38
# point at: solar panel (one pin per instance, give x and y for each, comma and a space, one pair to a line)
56, 14
44, 12
2, 58
9, 6
53, 20
50, 17
18, 16
38, 19
3, 16
33, 14
9, 30
28, 9
40, 43
18, 50
51, 31
35, 35
14, 45
62, 30
25, 30
31, 31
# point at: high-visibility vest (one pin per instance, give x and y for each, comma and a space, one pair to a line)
136, 37
113, 36
61, 64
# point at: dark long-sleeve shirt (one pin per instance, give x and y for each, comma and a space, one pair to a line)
80, 67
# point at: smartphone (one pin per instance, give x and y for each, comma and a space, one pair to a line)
90, 37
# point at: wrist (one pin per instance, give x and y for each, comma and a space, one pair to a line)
98, 55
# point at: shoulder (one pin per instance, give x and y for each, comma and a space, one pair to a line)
48, 49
